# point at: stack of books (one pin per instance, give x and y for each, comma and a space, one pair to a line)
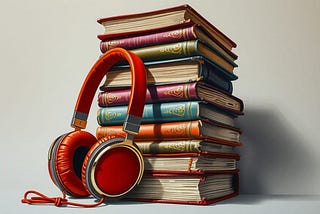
188, 134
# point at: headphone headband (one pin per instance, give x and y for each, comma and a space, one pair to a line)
95, 76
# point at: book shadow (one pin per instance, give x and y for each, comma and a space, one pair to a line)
273, 159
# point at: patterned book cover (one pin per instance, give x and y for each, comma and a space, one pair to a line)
128, 23
169, 71
175, 92
163, 36
185, 49
167, 112
182, 130
182, 146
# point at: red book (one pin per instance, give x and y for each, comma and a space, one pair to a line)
132, 23
175, 92
203, 189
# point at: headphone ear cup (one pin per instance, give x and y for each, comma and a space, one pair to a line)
112, 168
66, 157
105, 140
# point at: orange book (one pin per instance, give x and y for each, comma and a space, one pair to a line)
196, 129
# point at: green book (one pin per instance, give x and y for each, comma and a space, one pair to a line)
167, 112
185, 49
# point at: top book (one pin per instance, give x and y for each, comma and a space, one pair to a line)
145, 21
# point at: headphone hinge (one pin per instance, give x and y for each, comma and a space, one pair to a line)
131, 124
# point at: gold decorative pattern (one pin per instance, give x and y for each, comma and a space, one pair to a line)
177, 110
111, 98
177, 130
175, 49
175, 92
177, 34
111, 115
175, 147
115, 43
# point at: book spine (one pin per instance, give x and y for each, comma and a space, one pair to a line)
173, 111
153, 147
167, 51
172, 130
171, 36
211, 76
163, 93
184, 49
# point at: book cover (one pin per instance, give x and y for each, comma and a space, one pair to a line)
175, 92
185, 49
187, 69
163, 36
160, 18
183, 130
202, 189
167, 112
182, 146
189, 163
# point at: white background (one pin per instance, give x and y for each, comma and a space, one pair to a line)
47, 47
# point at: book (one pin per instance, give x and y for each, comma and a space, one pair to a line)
183, 130
187, 189
175, 92
185, 49
124, 24
166, 112
190, 69
163, 36
189, 163
182, 146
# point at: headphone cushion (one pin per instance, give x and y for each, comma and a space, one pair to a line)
67, 161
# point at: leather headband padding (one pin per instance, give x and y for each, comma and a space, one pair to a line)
98, 71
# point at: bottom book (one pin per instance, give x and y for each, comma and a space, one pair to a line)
187, 188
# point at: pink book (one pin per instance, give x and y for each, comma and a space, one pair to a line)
165, 35
175, 92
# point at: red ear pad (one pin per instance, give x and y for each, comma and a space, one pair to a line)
111, 169
66, 159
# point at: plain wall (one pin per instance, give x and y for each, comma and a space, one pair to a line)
47, 47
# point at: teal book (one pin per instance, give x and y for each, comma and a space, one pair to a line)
167, 112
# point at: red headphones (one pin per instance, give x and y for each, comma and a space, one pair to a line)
79, 164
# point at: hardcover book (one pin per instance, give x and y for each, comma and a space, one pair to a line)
187, 135
166, 112
183, 130
185, 49
189, 163
163, 36
174, 92
125, 24
182, 146
180, 70
187, 189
